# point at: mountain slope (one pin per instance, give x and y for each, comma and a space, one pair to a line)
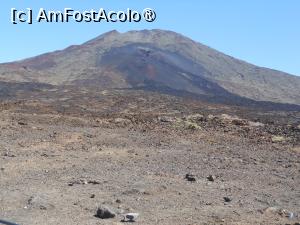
155, 58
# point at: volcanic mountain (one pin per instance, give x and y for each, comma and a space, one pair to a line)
157, 60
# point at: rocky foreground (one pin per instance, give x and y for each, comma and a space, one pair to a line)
164, 168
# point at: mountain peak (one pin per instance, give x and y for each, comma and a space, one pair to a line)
108, 34
156, 58
139, 35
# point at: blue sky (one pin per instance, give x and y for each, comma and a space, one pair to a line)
265, 33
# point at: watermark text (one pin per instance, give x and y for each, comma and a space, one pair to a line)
70, 15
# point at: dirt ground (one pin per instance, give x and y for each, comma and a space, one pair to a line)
58, 168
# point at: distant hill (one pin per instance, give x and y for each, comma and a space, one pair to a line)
157, 60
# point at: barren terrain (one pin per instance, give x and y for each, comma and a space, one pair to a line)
63, 154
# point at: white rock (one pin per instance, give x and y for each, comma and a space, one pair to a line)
130, 217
